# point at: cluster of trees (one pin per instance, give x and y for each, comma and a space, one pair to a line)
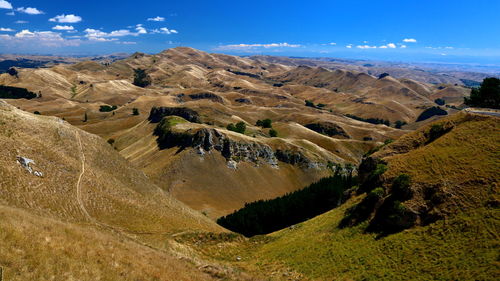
141, 78
240, 127
7, 92
266, 216
370, 120
432, 111
487, 95
267, 123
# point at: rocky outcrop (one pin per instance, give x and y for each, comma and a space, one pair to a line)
205, 140
157, 113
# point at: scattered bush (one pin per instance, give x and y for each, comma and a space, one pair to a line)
111, 141
383, 75
273, 133
135, 111
487, 95
141, 78
436, 131
12, 72
240, 127
310, 103
37, 113
440, 101
266, 123
399, 124
107, 108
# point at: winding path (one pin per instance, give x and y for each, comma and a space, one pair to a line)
79, 182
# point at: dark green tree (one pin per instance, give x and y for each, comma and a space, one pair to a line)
273, 133
487, 95
141, 78
135, 111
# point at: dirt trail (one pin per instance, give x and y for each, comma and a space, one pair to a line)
79, 182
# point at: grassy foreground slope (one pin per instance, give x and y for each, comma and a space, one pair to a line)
463, 245
461, 165
83, 213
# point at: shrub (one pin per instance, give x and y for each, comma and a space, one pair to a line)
241, 127
309, 103
111, 141
440, 101
401, 187
85, 118
399, 124
12, 72
135, 111
273, 133
383, 75
266, 123
37, 113
107, 108
141, 78
487, 95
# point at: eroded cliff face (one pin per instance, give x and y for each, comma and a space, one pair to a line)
206, 140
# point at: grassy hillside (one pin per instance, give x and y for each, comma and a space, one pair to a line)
462, 244
83, 212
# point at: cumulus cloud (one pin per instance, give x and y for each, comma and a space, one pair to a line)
403, 46
158, 18
140, 29
6, 29
63, 27
366, 47
254, 46
42, 38
349, 46
165, 30
388, 46
21, 22
66, 18
128, 43
29, 11
410, 40
5, 5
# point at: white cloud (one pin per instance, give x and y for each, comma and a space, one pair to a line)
140, 29
254, 46
29, 11
66, 19
5, 5
403, 46
157, 19
63, 27
366, 47
11, 13
42, 38
332, 44
165, 30
128, 43
101, 36
391, 45
410, 40
6, 29
349, 46
449, 48
21, 22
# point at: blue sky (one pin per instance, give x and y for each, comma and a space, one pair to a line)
408, 30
